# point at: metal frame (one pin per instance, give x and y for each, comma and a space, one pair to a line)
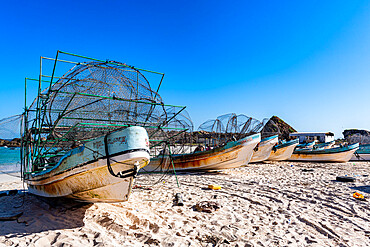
35, 147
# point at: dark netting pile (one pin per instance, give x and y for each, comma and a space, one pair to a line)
93, 99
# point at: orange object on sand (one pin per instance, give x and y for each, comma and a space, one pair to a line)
358, 196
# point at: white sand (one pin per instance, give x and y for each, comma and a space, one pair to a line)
273, 204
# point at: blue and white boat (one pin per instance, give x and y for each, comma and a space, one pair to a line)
101, 170
263, 150
283, 150
232, 155
337, 154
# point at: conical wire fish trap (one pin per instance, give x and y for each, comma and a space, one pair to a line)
90, 100
228, 127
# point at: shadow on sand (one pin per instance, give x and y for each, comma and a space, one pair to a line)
23, 214
365, 188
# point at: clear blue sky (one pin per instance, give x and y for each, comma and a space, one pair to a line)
307, 62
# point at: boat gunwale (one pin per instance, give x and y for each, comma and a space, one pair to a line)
42, 173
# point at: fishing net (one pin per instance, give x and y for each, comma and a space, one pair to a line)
10, 127
91, 100
228, 127
232, 124
9, 141
95, 98
177, 132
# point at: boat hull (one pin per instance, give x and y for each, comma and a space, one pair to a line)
83, 174
232, 155
284, 151
264, 149
327, 155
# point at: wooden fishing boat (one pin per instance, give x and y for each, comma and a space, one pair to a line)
264, 148
338, 154
101, 170
85, 135
233, 154
362, 154
283, 151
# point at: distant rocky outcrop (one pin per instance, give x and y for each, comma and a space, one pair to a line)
16, 142
350, 132
355, 135
275, 126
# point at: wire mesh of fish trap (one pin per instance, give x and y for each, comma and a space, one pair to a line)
10, 127
226, 128
91, 99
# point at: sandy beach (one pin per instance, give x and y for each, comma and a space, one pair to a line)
265, 204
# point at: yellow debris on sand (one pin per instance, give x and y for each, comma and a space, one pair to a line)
214, 187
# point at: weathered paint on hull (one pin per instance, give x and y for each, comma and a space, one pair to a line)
360, 157
329, 157
264, 150
83, 174
217, 159
91, 182
282, 153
